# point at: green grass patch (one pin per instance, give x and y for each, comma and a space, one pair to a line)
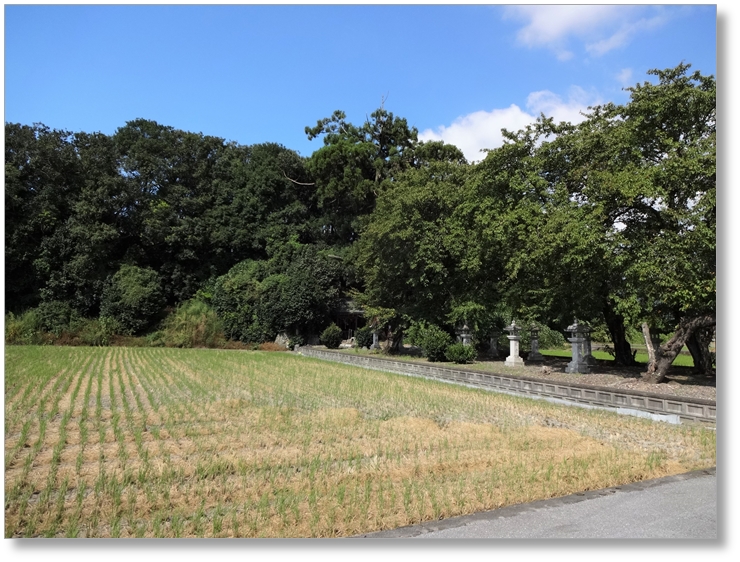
681, 360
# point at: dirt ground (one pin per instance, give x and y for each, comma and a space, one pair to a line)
681, 381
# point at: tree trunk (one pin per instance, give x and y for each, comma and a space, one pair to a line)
622, 349
664, 356
393, 341
698, 345
652, 351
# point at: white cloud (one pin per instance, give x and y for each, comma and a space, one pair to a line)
625, 77
601, 28
623, 35
482, 129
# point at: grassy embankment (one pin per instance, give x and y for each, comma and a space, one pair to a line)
119, 442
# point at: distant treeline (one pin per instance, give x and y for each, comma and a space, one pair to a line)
611, 220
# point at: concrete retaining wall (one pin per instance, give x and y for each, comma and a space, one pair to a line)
661, 407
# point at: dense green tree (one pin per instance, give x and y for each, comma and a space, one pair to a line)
355, 165
293, 292
412, 253
628, 218
133, 298
42, 182
203, 205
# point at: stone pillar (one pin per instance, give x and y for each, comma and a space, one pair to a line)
375, 344
513, 360
493, 350
534, 350
577, 364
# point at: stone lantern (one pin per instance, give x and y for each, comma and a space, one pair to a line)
577, 365
376, 338
534, 349
464, 335
513, 360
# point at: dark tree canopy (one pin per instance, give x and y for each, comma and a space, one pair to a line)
611, 220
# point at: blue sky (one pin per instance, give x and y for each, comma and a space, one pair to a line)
262, 73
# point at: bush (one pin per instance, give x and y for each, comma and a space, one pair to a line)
292, 292
547, 339
193, 324
97, 332
331, 337
55, 317
132, 297
296, 340
459, 353
364, 337
155, 339
23, 329
432, 339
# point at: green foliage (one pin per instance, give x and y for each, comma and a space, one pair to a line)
364, 337
235, 297
415, 253
55, 316
97, 332
432, 339
193, 324
355, 164
459, 353
547, 338
156, 339
133, 297
331, 337
296, 340
22, 329
293, 292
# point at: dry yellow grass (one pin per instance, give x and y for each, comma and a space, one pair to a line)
180, 443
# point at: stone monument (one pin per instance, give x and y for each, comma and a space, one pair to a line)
513, 360
577, 364
376, 344
534, 349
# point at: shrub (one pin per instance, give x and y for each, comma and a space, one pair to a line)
364, 337
432, 339
547, 338
133, 297
296, 340
97, 332
55, 316
550, 339
292, 292
331, 337
155, 339
23, 329
460, 353
193, 324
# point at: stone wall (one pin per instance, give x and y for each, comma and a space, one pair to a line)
660, 407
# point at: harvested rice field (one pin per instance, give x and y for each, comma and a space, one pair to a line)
154, 442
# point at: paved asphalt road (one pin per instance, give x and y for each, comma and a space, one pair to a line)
681, 506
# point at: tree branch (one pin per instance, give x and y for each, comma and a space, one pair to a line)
298, 182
